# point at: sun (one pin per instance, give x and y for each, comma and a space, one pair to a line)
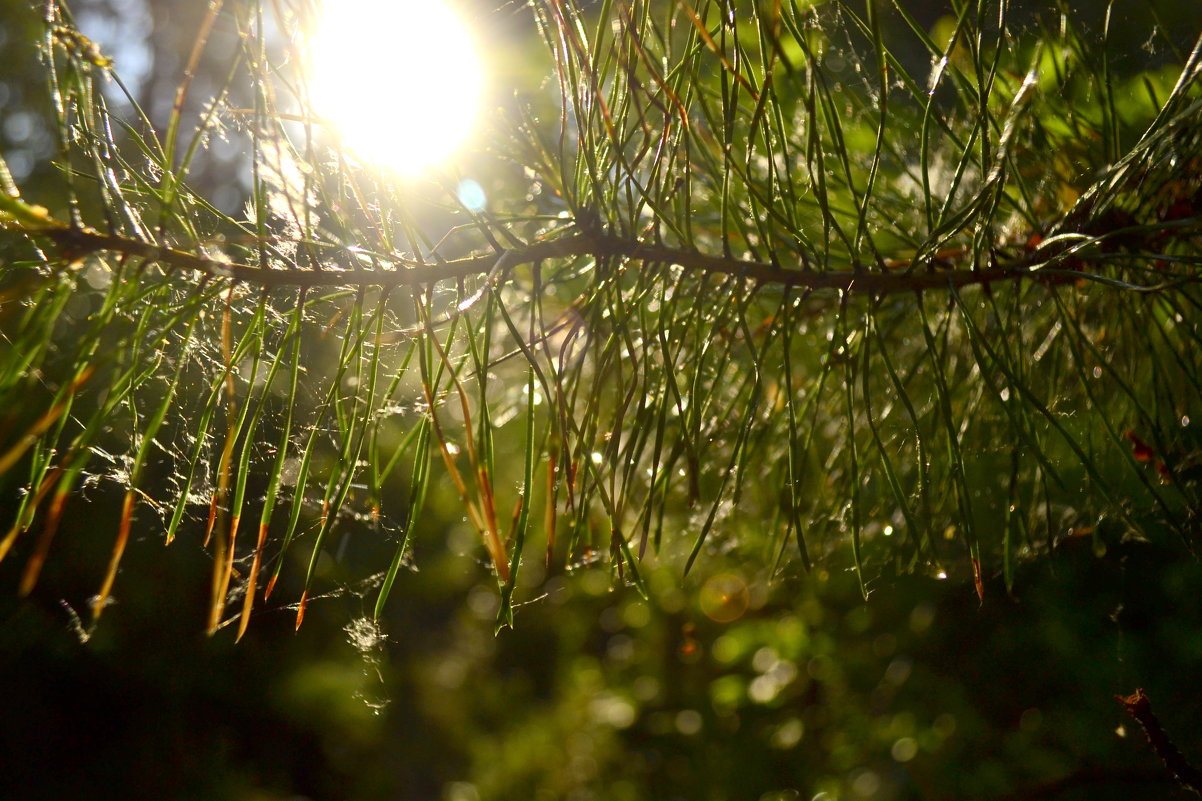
398, 80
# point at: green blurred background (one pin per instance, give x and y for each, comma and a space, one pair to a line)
732, 687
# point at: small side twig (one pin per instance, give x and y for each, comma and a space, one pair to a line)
1140, 708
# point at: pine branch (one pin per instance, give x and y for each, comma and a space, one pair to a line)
687, 172
901, 277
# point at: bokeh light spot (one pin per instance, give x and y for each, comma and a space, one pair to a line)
471, 195
904, 749
688, 722
724, 598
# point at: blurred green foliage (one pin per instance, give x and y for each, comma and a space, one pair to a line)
920, 693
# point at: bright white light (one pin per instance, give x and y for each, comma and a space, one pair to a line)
398, 79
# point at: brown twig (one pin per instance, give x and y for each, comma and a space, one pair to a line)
1140, 708
919, 277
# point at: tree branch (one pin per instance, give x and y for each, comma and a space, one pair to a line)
76, 242
1140, 708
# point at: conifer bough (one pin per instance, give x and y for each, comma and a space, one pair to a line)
933, 313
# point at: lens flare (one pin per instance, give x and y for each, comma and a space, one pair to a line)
399, 80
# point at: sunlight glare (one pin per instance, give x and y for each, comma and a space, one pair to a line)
398, 79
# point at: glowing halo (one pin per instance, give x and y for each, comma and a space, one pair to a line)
399, 80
